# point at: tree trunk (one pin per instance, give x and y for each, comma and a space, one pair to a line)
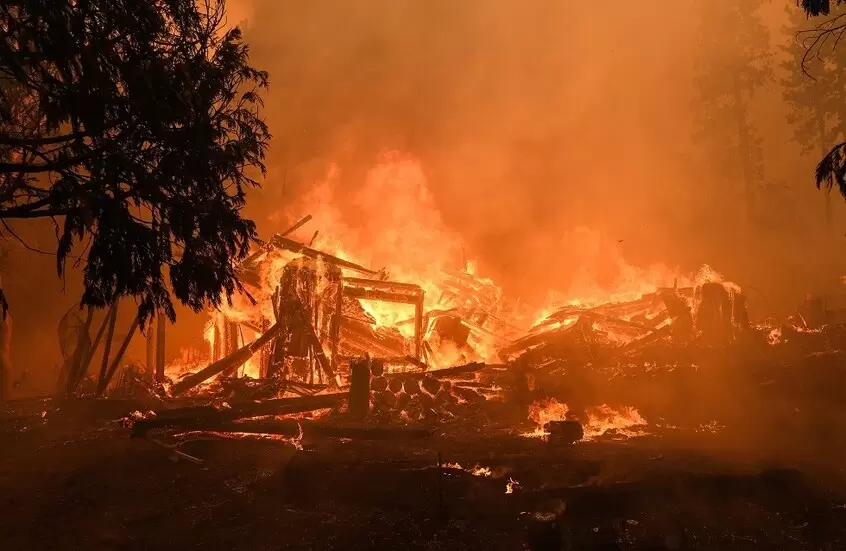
744, 150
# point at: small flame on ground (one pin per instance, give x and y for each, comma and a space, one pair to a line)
626, 422
510, 485
478, 470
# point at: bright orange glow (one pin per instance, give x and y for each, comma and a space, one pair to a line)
626, 422
398, 231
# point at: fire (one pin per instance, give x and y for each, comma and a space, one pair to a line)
626, 422
478, 470
391, 225
544, 411
630, 284
510, 485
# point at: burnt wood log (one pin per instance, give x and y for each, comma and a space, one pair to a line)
293, 427
289, 245
187, 417
564, 432
450, 372
300, 223
359, 400
235, 359
468, 394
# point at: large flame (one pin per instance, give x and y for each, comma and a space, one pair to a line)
391, 223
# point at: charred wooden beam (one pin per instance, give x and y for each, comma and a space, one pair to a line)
186, 417
292, 428
235, 359
418, 328
335, 328
384, 296
447, 373
230, 344
359, 397
284, 243
302, 222
393, 286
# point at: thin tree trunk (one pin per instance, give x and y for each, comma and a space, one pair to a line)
744, 150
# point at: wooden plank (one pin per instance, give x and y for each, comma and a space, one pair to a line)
289, 245
418, 329
237, 358
394, 286
384, 296
335, 330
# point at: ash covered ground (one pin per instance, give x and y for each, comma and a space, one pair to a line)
72, 478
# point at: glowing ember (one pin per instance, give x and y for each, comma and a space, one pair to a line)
407, 241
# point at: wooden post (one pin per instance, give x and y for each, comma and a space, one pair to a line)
335, 329
264, 353
77, 377
418, 328
78, 354
107, 346
230, 344
160, 347
118, 357
216, 342
151, 350
359, 403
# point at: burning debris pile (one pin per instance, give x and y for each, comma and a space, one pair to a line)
418, 342
712, 312
328, 333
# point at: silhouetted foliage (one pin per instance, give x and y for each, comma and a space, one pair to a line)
820, 7
135, 126
734, 63
814, 89
818, 109
820, 43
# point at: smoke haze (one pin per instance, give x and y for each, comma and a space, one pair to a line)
555, 138
531, 121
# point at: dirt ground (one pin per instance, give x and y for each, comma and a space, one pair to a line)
92, 487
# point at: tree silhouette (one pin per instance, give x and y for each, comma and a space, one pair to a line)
816, 94
135, 126
734, 65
